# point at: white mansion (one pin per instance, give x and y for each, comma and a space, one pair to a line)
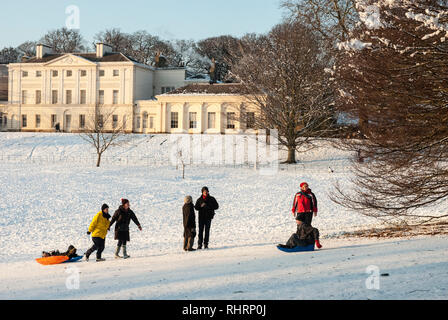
61, 90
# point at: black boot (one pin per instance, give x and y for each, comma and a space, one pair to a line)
87, 254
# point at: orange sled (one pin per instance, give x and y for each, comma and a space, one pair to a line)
52, 260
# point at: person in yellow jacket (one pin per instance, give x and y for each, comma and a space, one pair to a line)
98, 229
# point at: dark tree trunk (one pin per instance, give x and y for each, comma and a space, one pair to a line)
98, 161
291, 155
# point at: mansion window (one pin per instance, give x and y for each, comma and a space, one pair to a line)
24, 94
54, 119
83, 97
69, 73
68, 97
250, 121
102, 73
24, 121
145, 120
115, 97
116, 73
193, 120
174, 120
38, 97
82, 121
38, 74
151, 122
83, 73
24, 74
167, 89
211, 120
37, 120
54, 96
230, 120
114, 121
55, 73
101, 97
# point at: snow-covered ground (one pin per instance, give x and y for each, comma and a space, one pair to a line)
50, 190
345, 269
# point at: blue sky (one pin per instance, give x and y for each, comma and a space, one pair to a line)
22, 20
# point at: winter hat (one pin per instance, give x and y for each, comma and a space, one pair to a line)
124, 201
104, 207
303, 183
188, 199
204, 189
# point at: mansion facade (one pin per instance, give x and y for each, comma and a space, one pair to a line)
63, 91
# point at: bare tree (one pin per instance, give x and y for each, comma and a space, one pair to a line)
9, 55
120, 41
283, 77
331, 19
28, 48
102, 130
64, 40
144, 47
220, 49
393, 71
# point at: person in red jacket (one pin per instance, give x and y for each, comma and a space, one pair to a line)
305, 204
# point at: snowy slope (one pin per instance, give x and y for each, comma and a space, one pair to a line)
416, 268
49, 205
50, 190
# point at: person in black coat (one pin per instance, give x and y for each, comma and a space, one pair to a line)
123, 217
305, 235
189, 223
206, 205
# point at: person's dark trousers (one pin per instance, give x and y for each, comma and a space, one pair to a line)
308, 217
204, 225
98, 245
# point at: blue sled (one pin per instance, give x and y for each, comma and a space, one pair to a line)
74, 259
297, 249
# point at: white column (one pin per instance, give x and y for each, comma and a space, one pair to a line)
11, 86
122, 86
77, 93
93, 79
182, 116
48, 86
202, 117
219, 116
61, 86
163, 116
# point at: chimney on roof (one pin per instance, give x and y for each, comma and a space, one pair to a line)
102, 49
42, 50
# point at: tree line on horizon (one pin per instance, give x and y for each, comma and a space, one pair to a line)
141, 46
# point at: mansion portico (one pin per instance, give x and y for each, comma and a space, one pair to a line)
63, 90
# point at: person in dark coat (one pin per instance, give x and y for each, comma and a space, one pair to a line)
206, 205
189, 223
123, 217
304, 236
